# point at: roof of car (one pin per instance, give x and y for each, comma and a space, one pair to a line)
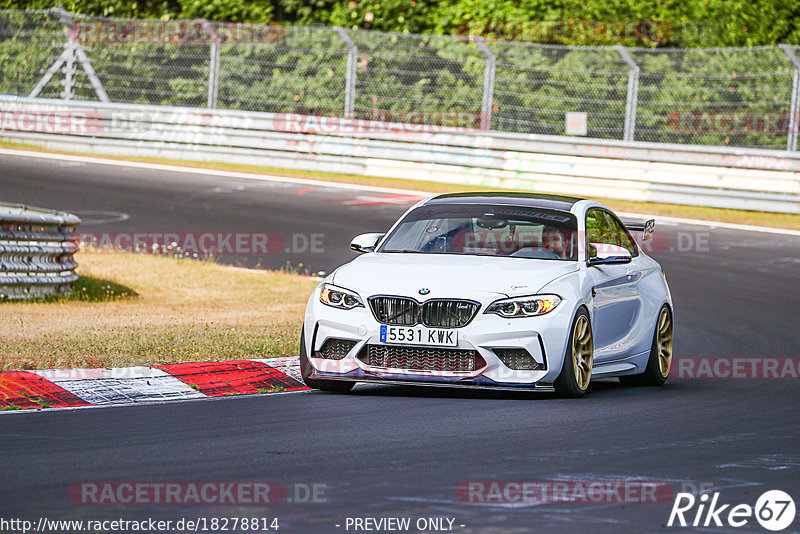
535, 200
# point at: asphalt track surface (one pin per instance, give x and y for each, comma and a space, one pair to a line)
399, 451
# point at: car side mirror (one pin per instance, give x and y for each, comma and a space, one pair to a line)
365, 242
646, 228
605, 254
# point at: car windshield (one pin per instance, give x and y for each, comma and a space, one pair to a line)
485, 230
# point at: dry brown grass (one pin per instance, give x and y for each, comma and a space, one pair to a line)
185, 311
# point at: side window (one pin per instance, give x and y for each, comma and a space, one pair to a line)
622, 237
597, 228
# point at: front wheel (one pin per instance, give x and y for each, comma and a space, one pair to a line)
660, 361
335, 386
576, 373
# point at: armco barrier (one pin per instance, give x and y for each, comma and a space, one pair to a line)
36, 252
737, 178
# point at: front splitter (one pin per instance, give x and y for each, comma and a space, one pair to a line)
461, 383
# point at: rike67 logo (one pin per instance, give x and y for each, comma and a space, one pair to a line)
774, 510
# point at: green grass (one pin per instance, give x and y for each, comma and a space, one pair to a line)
276, 389
86, 289
90, 289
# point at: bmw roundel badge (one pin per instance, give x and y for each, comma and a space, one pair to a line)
424, 291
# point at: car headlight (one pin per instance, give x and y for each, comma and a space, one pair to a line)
339, 297
524, 306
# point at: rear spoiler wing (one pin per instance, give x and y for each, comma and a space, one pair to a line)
646, 228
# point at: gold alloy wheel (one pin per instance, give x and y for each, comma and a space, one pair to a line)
664, 342
582, 352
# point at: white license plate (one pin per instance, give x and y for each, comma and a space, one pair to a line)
418, 335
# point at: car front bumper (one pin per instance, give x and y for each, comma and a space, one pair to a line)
543, 337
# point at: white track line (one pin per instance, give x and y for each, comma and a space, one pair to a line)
712, 224
339, 185
208, 172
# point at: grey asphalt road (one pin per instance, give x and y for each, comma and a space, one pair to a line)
403, 452
313, 224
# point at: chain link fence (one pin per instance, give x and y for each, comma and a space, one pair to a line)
418, 78
745, 97
738, 97
303, 71
536, 85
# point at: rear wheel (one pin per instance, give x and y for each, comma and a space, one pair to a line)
335, 386
660, 361
576, 372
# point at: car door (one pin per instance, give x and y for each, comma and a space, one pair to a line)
617, 299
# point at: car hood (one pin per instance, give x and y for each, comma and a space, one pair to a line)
448, 276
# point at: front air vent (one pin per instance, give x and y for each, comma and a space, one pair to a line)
335, 349
518, 360
434, 359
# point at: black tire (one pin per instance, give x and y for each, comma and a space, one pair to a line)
654, 374
334, 386
567, 384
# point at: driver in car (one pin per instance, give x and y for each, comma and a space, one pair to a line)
553, 239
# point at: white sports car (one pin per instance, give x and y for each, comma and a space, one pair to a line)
493, 290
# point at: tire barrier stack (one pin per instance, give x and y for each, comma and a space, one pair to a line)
36, 252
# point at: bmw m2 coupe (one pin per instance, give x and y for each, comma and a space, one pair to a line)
493, 290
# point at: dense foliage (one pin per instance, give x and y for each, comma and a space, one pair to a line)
676, 22
690, 96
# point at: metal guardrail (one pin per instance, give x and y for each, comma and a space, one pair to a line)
36, 252
737, 178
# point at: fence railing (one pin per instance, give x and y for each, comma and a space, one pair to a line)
734, 97
707, 176
36, 252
